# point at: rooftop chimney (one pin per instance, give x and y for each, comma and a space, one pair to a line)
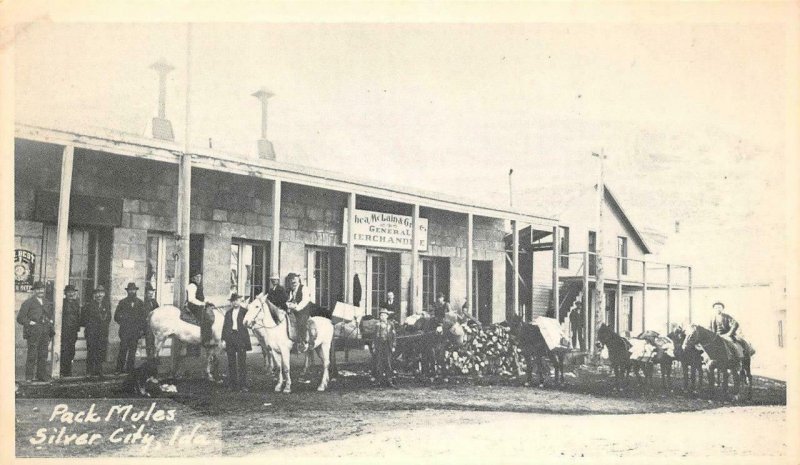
162, 127
265, 149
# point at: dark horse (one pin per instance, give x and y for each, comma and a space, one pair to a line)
726, 356
691, 359
619, 356
662, 356
530, 341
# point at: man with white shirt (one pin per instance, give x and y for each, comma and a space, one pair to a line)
36, 317
296, 302
195, 301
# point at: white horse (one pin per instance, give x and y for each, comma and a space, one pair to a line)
274, 339
165, 321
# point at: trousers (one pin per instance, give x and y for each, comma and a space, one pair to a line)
36, 359
69, 336
126, 359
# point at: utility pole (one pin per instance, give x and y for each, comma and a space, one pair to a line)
510, 189
599, 288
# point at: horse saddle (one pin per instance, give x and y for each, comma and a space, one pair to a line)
189, 317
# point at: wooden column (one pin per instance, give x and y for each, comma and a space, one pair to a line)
62, 256
556, 264
470, 303
275, 243
644, 294
618, 303
515, 266
691, 288
414, 287
669, 294
585, 301
351, 247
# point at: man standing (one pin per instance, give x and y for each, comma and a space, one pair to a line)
196, 302
150, 304
70, 325
384, 346
276, 293
391, 304
576, 325
96, 317
440, 308
132, 318
237, 343
36, 318
296, 302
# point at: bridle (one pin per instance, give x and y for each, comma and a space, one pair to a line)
262, 325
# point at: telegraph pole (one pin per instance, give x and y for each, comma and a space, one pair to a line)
599, 288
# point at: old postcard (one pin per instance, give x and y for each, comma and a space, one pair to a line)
406, 232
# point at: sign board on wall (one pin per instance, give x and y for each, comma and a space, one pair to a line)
385, 230
24, 265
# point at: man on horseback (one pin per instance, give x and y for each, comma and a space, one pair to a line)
195, 301
724, 324
297, 301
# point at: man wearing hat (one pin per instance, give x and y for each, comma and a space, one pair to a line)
237, 343
36, 317
724, 324
276, 293
196, 302
132, 319
70, 325
96, 316
150, 304
384, 345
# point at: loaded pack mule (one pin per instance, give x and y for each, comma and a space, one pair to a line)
530, 340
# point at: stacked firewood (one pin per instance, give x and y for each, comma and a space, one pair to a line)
488, 351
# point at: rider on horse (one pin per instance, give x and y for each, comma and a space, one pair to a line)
724, 324
196, 304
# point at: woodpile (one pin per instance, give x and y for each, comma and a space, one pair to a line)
487, 351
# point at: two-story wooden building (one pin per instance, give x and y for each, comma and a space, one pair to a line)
570, 256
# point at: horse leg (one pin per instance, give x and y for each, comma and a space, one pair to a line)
324, 353
540, 369
175, 352
279, 362
286, 369
529, 369
685, 370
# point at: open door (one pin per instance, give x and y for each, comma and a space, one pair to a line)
482, 290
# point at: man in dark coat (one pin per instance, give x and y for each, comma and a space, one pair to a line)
196, 303
132, 319
150, 304
276, 293
297, 302
70, 325
576, 325
237, 343
440, 308
391, 304
36, 317
96, 315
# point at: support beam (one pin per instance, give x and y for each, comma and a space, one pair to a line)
586, 298
515, 266
414, 290
691, 288
184, 227
644, 295
533, 282
351, 247
470, 303
556, 264
62, 255
669, 294
618, 302
275, 244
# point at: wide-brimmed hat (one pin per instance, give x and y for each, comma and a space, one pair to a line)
234, 297
386, 311
149, 287
99, 288
274, 276
132, 287
69, 288
37, 285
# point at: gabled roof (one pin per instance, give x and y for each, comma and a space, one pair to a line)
614, 204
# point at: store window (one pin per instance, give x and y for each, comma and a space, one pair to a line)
563, 247
160, 267
435, 279
622, 251
322, 278
249, 269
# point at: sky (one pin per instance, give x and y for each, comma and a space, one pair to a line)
691, 116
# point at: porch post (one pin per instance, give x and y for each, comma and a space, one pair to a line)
556, 264
62, 256
669, 294
414, 288
275, 243
618, 303
644, 294
470, 303
585, 301
691, 286
350, 251
515, 266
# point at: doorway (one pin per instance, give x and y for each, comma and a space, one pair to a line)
435, 279
89, 260
383, 275
611, 310
482, 290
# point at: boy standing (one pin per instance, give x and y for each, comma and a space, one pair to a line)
384, 347
237, 343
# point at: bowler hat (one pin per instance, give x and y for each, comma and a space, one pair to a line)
131, 287
149, 287
234, 297
37, 285
99, 288
274, 276
386, 311
69, 288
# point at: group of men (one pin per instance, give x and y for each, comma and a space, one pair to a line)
36, 318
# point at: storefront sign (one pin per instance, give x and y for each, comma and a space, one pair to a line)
24, 263
385, 230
